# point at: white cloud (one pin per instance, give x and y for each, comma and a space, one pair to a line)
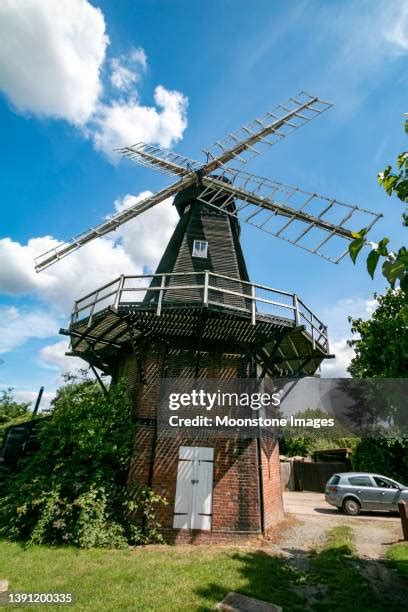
396, 29
95, 264
53, 356
370, 306
125, 122
138, 56
365, 37
51, 54
339, 332
133, 247
336, 316
337, 368
18, 325
126, 69
28, 395
31, 396
145, 237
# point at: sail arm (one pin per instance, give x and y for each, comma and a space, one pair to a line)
112, 223
249, 140
328, 223
167, 162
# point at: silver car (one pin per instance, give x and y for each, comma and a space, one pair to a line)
355, 491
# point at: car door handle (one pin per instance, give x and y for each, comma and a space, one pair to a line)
382, 492
193, 481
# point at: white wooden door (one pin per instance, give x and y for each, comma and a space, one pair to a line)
193, 505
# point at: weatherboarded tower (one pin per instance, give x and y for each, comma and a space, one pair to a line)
199, 317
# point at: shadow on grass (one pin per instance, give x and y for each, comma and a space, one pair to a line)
332, 578
397, 556
263, 577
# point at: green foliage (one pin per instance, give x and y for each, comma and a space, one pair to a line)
397, 557
74, 488
303, 441
381, 350
381, 345
387, 456
303, 446
395, 263
11, 411
357, 244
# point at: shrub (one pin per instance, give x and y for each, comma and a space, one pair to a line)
387, 456
74, 488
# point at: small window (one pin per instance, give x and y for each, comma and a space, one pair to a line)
384, 484
360, 481
200, 248
334, 479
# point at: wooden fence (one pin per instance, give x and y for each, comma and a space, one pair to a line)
309, 476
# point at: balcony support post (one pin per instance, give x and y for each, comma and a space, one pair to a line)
296, 309
253, 304
119, 292
161, 292
205, 298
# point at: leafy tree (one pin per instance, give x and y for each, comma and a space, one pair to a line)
10, 408
388, 456
11, 411
395, 263
74, 489
381, 351
381, 348
305, 440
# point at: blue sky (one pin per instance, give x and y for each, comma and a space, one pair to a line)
78, 78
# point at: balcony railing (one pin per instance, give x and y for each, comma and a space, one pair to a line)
157, 291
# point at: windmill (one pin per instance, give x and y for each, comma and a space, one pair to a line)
199, 316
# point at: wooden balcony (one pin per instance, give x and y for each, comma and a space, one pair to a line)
162, 294
204, 309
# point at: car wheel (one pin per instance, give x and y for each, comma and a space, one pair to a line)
351, 506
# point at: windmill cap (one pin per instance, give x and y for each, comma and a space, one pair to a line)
191, 194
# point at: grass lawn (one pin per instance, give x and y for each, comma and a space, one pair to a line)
153, 578
196, 578
397, 556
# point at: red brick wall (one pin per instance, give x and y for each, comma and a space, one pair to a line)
236, 498
235, 485
271, 483
236, 503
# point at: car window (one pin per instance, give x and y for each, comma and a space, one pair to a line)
360, 481
384, 483
334, 479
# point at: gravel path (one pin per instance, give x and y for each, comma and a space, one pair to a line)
302, 534
305, 533
371, 539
